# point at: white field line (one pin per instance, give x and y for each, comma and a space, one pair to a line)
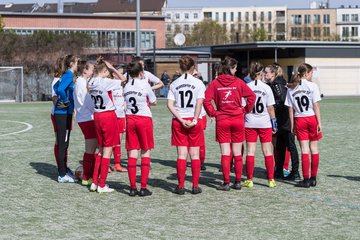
28, 127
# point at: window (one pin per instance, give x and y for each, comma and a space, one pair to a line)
224, 16
186, 27
232, 27
186, 16
262, 17
262, 27
354, 31
254, 27
224, 26
254, 16
207, 15
177, 15
246, 16
345, 32
326, 31
326, 19
232, 16
217, 16
196, 15
354, 17
307, 19
239, 16
296, 32
247, 28
296, 19
316, 19
269, 16
239, 28
269, 28
168, 16
317, 32
168, 28
307, 32
345, 17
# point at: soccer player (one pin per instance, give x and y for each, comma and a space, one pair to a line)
283, 139
148, 76
227, 92
139, 127
105, 121
260, 122
185, 99
84, 109
63, 113
303, 98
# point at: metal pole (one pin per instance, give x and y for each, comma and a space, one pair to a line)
138, 42
276, 55
154, 54
22, 84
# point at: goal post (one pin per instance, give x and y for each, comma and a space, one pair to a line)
11, 84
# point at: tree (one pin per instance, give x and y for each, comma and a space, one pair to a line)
207, 32
2, 24
259, 35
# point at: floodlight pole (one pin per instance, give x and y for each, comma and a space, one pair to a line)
138, 42
22, 84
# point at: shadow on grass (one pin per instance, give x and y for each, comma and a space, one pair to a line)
119, 186
351, 178
45, 169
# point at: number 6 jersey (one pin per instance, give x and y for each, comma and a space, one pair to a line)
99, 89
138, 94
302, 98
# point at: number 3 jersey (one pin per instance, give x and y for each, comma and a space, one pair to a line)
138, 94
185, 91
302, 98
100, 91
259, 116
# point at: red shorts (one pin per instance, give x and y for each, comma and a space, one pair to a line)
188, 137
204, 122
88, 129
121, 125
53, 122
106, 129
139, 133
230, 130
265, 134
306, 128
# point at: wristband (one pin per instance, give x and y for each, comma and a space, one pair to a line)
194, 121
274, 124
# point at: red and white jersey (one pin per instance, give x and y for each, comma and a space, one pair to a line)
84, 107
138, 94
119, 101
259, 117
53, 94
100, 91
185, 91
302, 98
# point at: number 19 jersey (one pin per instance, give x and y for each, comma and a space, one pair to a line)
99, 89
185, 91
138, 94
259, 116
302, 98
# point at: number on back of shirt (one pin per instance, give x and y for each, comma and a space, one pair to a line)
98, 99
186, 97
134, 108
303, 101
259, 106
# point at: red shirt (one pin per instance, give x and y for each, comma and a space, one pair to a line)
227, 92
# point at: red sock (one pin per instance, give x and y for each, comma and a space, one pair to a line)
87, 163
104, 170
225, 165
195, 170
202, 154
145, 170
96, 168
132, 172
305, 163
181, 171
315, 161
238, 168
117, 154
287, 159
269, 163
250, 164
56, 154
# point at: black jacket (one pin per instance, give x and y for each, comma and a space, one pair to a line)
278, 87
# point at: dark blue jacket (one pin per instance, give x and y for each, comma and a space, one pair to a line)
64, 91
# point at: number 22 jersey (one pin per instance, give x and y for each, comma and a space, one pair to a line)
302, 98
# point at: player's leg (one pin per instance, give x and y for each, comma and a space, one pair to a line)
237, 149
266, 147
117, 148
251, 135
315, 161
291, 146
132, 146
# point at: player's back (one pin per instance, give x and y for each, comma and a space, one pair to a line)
99, 89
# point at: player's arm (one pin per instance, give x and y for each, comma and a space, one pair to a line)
171, 107
117, 74
208, 105
155, 80
151, 95
318, 117
63, 100
271, 112
199, 104
250, 97
54, 99
291, 117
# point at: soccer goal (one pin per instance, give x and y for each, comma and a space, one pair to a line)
11, 84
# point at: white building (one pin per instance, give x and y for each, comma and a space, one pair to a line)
348, 24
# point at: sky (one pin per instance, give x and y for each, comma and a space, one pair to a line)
220, 3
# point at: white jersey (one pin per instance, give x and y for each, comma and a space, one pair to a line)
259, 117
138, 94
185, 91
302, 98
100, 91
119, 101
148, 76
84, 107
53, 94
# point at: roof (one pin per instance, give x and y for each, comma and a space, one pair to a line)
129, 5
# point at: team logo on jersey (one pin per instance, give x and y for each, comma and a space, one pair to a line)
227, 95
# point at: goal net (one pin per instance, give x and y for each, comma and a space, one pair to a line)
11, 84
